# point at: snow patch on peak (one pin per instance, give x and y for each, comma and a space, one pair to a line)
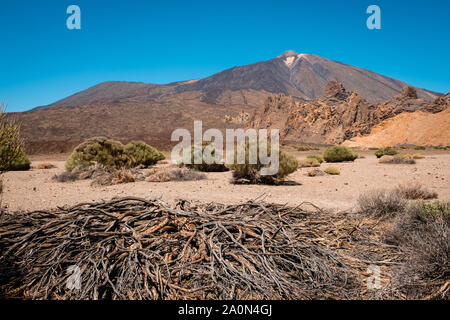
290, 61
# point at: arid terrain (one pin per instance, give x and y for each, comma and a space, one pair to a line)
35, 189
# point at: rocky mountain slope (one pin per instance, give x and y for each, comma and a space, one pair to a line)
338, 116
415, 128
132, 110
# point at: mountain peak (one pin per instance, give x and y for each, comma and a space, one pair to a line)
289, 53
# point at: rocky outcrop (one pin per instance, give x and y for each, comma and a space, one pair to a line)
338, 116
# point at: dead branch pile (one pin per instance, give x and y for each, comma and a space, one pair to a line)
133, 248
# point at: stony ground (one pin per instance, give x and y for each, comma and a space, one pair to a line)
35, 189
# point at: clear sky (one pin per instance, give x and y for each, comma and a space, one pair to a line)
41, 61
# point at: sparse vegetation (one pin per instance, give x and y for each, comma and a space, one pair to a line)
419, 148
101, 175
422, 231
339, 154
175, 174
418, 156
196, 155
143, 154
308, 163
317, 157
415, 192
380, 203
315, 172
389, 151
397, 159
99, 150
45, 165
250, 173
333, 171
306, 148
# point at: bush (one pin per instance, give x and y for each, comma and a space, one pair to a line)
317, 157
308, 163
389, 151
315, 172
45, 165
99, 150
418, 156
339, 154
306, 148
397, 159
379, 203
12, 156
143, 154
175, 174
196, 153
333, 171
19, 163
419, 148
423, 232
250, 173
101, 175
415, 192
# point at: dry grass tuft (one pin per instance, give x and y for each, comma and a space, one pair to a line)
397, 159
423, 233
415, 192
333, 171
45, 165
175, 174
380, 203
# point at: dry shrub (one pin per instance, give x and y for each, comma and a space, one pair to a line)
418, 156
306, 148
419, 148
388, 151
415, 192
315, 172
123, 177
101, 175
380, 203
175, 174
422, 231
397, 159
45, 165
333, 171
308, 163
339, 154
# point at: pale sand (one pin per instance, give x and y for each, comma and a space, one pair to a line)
34, 189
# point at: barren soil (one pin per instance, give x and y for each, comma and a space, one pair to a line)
35, 189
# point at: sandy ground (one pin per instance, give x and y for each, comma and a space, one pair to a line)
34, 189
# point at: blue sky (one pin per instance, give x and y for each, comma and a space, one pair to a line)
41, 61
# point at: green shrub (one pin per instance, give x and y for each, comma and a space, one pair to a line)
389, 151
419, 148
143, 154
317, 157
339, 154
20, 163
197, 153
99, 150
12, 156
250, 173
